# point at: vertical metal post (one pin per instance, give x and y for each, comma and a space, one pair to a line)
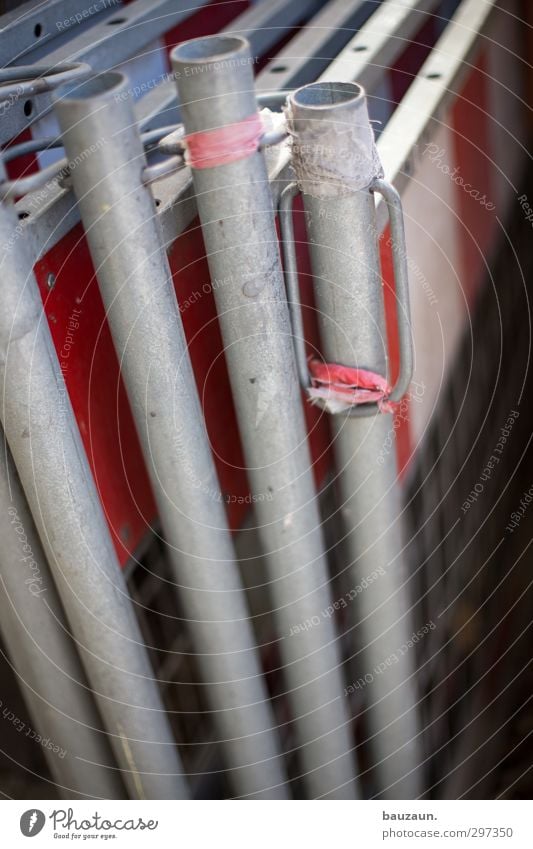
215, 85
48, 452
343, 245
44, 656
133, 272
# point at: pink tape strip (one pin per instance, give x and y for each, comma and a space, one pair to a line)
348, 387
225, 144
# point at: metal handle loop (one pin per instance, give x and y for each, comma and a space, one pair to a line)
401, 284
152, 173
27, 80
394, 207
291, 281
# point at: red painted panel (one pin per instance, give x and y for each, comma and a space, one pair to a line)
477, 220
23, 166
76, 316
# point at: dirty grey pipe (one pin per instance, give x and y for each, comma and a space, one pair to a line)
343, 245
133, 272
48, 452
215, 85
44, 656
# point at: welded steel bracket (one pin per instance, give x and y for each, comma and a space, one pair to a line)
401, 279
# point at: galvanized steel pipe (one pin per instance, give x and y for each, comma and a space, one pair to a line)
215, 85
343, 245
44, 657
133, 272
48, 452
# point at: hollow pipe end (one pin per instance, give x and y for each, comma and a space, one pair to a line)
197, 52
111, 85
327, 95
215, 81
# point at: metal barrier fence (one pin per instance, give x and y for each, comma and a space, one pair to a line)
256, 643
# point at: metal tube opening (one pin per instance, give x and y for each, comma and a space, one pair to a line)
212, 48
98, 86
319, 95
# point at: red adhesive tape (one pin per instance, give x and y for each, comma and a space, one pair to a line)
224, 144
347, 387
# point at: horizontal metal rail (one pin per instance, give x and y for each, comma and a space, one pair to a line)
103, 46
436, 85
379, 43
34, 25
312, 49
